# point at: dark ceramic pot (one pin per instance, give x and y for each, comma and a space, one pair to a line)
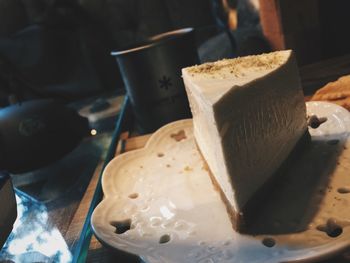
152, 76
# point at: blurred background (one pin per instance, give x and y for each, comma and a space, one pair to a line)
61, 90
61, 48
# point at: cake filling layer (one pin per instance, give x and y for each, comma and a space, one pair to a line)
248, 114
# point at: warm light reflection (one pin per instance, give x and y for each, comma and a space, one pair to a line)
166, 212
93, 132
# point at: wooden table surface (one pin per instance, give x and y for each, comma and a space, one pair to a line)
313, 77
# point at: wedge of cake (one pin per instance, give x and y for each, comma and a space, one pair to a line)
248, 115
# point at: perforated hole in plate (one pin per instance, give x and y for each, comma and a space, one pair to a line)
333, 142
314, 121
331, 228
121, 226
133, 195
179, 136
268, 242
344, 190
164, 239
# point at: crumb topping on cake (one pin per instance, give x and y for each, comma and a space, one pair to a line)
239, 66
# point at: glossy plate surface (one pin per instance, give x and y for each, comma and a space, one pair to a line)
160, 203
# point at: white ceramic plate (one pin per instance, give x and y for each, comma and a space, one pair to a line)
164, 194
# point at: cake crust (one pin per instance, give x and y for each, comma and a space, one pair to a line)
235, 218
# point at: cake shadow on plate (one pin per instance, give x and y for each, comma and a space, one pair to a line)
298, 193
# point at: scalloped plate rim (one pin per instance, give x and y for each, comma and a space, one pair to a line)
336, 248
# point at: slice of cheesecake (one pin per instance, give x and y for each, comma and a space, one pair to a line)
248, 115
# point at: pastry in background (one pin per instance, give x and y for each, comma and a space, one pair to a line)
337, 92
